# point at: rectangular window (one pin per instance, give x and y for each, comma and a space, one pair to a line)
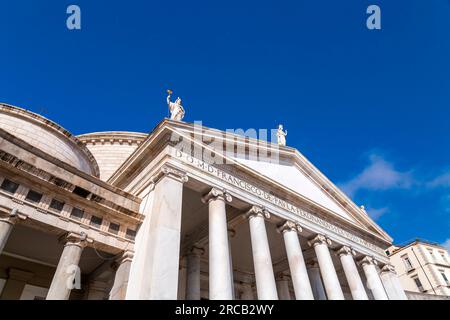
442, 255
131, 234
9, 186
407, 263
33, 196
56, 205
77, 214
430, 251
418, 284
96, 221
114, 228
445, 277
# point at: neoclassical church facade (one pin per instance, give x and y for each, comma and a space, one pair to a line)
171, 215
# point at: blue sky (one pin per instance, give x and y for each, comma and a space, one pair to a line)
370, 108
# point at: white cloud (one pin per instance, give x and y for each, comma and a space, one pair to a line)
378, 175
440, 181
376, 213
446, 244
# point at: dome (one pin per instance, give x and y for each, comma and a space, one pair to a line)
111, 148
48, 136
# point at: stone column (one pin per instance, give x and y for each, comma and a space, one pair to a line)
17, 280
220, 287
316, 280
182, 275
297, 266
68, 274
193, 274
97, 290
122, 266
351, 273
265, 279
231, 234
155, 267
391, 283
327, 270
282, 281
373, 279
7, 223
246, 292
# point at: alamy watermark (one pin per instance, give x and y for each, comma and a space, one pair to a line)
73, 21
217, 147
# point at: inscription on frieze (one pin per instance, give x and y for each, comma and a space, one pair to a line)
251, 188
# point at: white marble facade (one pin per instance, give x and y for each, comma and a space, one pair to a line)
143, 218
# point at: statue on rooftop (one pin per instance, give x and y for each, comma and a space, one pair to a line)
281, 136
175, 108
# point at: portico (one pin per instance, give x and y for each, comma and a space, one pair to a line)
276, 238
206, 223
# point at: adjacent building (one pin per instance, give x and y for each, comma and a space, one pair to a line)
182, 212
423, 268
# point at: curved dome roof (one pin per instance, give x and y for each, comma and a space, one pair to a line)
111, 148
48, 136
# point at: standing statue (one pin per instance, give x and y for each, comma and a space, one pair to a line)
175, 108
281, 136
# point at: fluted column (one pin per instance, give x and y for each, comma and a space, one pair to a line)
122, 266
316, 280
7, 222
373, 279
297, 266
282, 281
67, 272
220, 287
193, 274
265, 279
351, 273
327, 270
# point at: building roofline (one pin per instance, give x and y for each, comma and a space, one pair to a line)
52, 126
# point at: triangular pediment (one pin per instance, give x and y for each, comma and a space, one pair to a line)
289, 170
293, 178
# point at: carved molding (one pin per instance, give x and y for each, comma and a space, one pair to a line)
217, 194
289, 226
257, 211
319, 239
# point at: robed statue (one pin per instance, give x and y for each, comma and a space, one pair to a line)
281, 136
175, 108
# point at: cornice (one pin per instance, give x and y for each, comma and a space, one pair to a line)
120, 137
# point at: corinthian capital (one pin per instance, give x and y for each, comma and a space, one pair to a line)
257, 211
388, 268
217, 194
75, 239
367, 261
344, 250
289, 226
12, 217
168, 170
319, 239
